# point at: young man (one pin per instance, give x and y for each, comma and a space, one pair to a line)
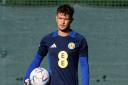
65, 48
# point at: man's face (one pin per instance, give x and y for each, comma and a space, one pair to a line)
63, 21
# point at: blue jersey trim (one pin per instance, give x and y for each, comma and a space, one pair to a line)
72, 33
54, 34
84, 70
35, 63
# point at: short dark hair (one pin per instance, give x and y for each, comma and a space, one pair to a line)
66, 9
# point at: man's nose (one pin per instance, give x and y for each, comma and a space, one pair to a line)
63, 21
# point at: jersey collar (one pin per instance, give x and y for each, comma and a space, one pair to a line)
71, 34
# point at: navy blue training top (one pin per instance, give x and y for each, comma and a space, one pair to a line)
63, 56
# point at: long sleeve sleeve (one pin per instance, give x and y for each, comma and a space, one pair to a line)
83, 59
35, 63
84, 70
42, 51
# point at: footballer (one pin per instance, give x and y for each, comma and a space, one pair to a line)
64, 49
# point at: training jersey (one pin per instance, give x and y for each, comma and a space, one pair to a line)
63, 56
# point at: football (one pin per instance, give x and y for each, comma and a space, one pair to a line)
39, 76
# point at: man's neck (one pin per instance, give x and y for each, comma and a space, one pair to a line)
63, 33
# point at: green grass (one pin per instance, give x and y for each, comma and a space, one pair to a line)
56, 2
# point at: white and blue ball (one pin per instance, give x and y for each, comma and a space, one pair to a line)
39, 76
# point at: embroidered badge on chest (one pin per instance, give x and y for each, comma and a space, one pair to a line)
71, 45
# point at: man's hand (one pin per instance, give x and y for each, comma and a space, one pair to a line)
27, 82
